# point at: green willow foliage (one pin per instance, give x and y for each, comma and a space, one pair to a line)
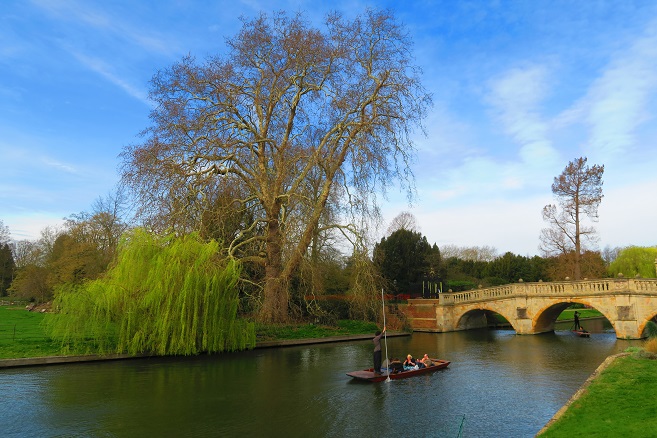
635, 260
165, 296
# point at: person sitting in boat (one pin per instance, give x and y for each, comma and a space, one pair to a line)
426, 360
396, 366
410, 364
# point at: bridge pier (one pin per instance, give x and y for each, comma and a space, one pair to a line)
524, 327
627, 329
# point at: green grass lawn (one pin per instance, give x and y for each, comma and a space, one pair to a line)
619, 402
307, 331
584, 313
22, 334
566, 315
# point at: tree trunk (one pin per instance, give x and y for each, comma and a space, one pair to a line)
578, 244
275, 302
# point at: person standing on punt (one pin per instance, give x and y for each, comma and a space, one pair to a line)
377, 350
576, 316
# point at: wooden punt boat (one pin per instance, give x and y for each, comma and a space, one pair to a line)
369, 375
581, 333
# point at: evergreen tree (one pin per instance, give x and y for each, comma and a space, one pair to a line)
7, 268
403, 258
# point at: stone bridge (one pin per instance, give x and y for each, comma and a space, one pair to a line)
532, 308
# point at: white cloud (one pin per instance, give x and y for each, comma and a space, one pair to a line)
105, 70
29, 226
83, 14
27, 154
618, 100
68, 168
112, 45
448, 137
506, 224
482, 167
628, 215
516, 99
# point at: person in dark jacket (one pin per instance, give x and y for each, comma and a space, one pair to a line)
377, 350
396, 366
410, 363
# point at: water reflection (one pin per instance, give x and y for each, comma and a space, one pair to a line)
593, 325
504, 385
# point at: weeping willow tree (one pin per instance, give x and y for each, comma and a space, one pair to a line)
165, 295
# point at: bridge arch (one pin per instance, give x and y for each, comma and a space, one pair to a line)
477, 317
546, 316
642, 325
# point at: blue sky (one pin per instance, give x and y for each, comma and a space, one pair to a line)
520, 88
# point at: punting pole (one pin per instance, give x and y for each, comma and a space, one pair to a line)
385, 334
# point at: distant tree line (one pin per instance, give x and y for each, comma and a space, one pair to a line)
403, 262
407, 263
80, 251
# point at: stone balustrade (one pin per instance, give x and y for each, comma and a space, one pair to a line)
556, 289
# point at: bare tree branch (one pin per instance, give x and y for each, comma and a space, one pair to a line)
294, 125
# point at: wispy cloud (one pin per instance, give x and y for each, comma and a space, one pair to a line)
618, 101
64, 167
515, 98
21, 154
113, 43
84, 14
29, 226
105, 70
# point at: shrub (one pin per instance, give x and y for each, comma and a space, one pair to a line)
650, 345
577, 306
460, 285
493, 281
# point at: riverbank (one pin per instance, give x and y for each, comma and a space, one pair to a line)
616, 400
55, 360
23, 335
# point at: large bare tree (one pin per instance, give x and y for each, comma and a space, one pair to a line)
5, 235
472, 253
403, 221
578, 191
291, 120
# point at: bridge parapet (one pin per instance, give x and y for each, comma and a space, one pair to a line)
645, 285
489, 293
563, 288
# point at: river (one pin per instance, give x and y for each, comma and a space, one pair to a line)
498, 385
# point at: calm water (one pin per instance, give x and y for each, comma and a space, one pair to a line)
498, 385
